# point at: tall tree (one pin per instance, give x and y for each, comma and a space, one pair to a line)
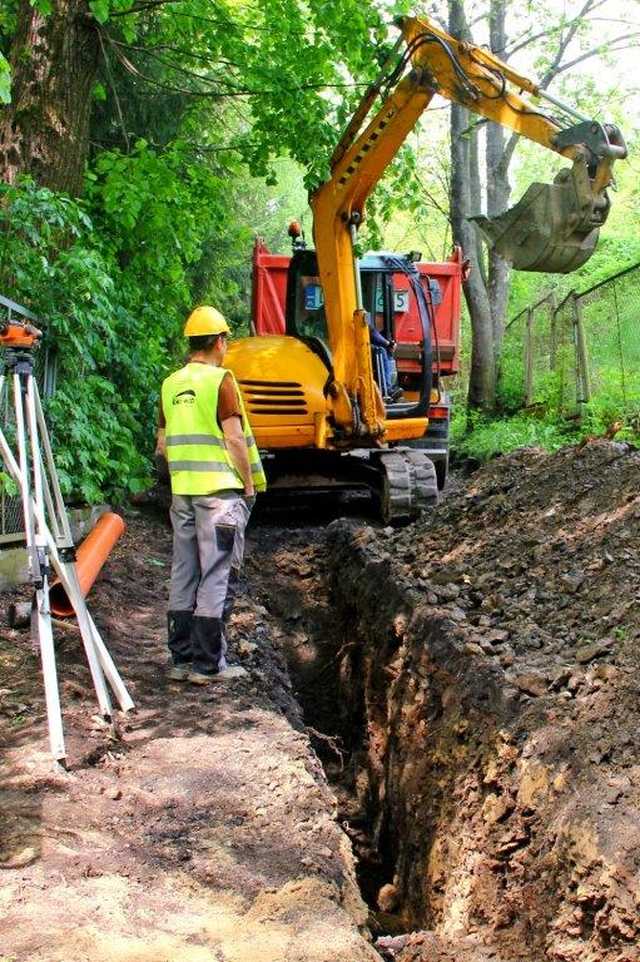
270, 63
559, 44
53, 60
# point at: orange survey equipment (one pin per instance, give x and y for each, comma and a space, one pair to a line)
90, 557
19, 335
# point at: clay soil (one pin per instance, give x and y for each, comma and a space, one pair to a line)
456, 701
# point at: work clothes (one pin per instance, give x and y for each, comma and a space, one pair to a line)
208, 513
383, 360
208, 547
197, 456
228, 403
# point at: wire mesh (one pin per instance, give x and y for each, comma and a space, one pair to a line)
11, 515
529, 354
610, 316
583, 351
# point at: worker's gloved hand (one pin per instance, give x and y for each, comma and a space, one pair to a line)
391, 348
249, 500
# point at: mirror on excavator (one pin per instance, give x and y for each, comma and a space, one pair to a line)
554, 227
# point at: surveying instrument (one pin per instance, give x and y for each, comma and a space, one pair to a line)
48, 536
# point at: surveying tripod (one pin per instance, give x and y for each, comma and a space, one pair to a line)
48, 534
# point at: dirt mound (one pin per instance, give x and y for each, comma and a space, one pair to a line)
495, 680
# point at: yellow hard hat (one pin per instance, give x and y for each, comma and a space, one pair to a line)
205, 320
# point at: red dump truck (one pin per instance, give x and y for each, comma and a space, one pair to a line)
441, 281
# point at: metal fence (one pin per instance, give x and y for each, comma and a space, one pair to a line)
585, 348
44, 369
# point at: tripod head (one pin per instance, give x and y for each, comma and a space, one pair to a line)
18, 340
19, 334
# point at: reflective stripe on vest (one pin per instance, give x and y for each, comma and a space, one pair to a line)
198, 460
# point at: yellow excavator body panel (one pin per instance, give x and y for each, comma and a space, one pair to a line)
282, 382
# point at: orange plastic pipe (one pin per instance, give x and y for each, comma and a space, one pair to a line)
91, 555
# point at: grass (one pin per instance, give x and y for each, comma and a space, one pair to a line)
483, 438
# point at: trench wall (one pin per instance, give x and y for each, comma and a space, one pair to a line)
484, 819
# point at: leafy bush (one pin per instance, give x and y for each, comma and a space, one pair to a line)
52, 261
113, 278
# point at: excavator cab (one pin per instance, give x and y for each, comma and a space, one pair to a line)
382, 301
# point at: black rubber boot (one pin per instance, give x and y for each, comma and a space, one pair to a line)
206, 640
233, 590
179, 627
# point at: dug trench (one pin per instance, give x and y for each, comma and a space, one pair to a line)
471, 683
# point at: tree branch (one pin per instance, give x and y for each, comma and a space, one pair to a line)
587, 7
432, 200
527, 37
216, 94
139, 8
507, 153
168, 48
530, 39
597, 50
114, 91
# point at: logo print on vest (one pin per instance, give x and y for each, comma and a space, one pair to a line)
185, 397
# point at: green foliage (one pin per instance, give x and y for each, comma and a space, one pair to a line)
52, 260
484, 438
5, 80
115, 276
114, 289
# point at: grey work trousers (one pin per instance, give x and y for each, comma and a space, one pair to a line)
208, 548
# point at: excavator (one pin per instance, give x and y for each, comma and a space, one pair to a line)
314, 395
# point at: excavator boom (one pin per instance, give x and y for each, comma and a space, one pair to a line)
554, 228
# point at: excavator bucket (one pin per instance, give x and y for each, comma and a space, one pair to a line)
554, 227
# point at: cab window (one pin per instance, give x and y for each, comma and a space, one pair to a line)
309, 317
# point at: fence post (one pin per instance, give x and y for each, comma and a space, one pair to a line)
583, 379
553, 347
528, 371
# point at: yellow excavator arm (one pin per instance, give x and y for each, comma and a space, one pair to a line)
553, 228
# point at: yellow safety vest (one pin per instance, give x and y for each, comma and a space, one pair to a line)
199, 462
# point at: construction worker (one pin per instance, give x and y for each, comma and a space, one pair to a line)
215, 471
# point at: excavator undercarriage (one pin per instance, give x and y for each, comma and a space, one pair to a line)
402, 481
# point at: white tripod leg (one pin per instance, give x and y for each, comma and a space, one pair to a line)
98, 656
49, 672
39, 574
68, 577
81, 612
110, 670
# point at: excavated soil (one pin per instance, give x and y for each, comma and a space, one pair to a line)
470, 684
486, 669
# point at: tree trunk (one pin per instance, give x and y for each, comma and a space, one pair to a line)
45, 130
481, 376
498, 188
465, 194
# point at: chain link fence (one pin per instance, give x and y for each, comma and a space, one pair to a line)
44, 370
583, 349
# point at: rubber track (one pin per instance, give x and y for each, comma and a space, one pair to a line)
409, 485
